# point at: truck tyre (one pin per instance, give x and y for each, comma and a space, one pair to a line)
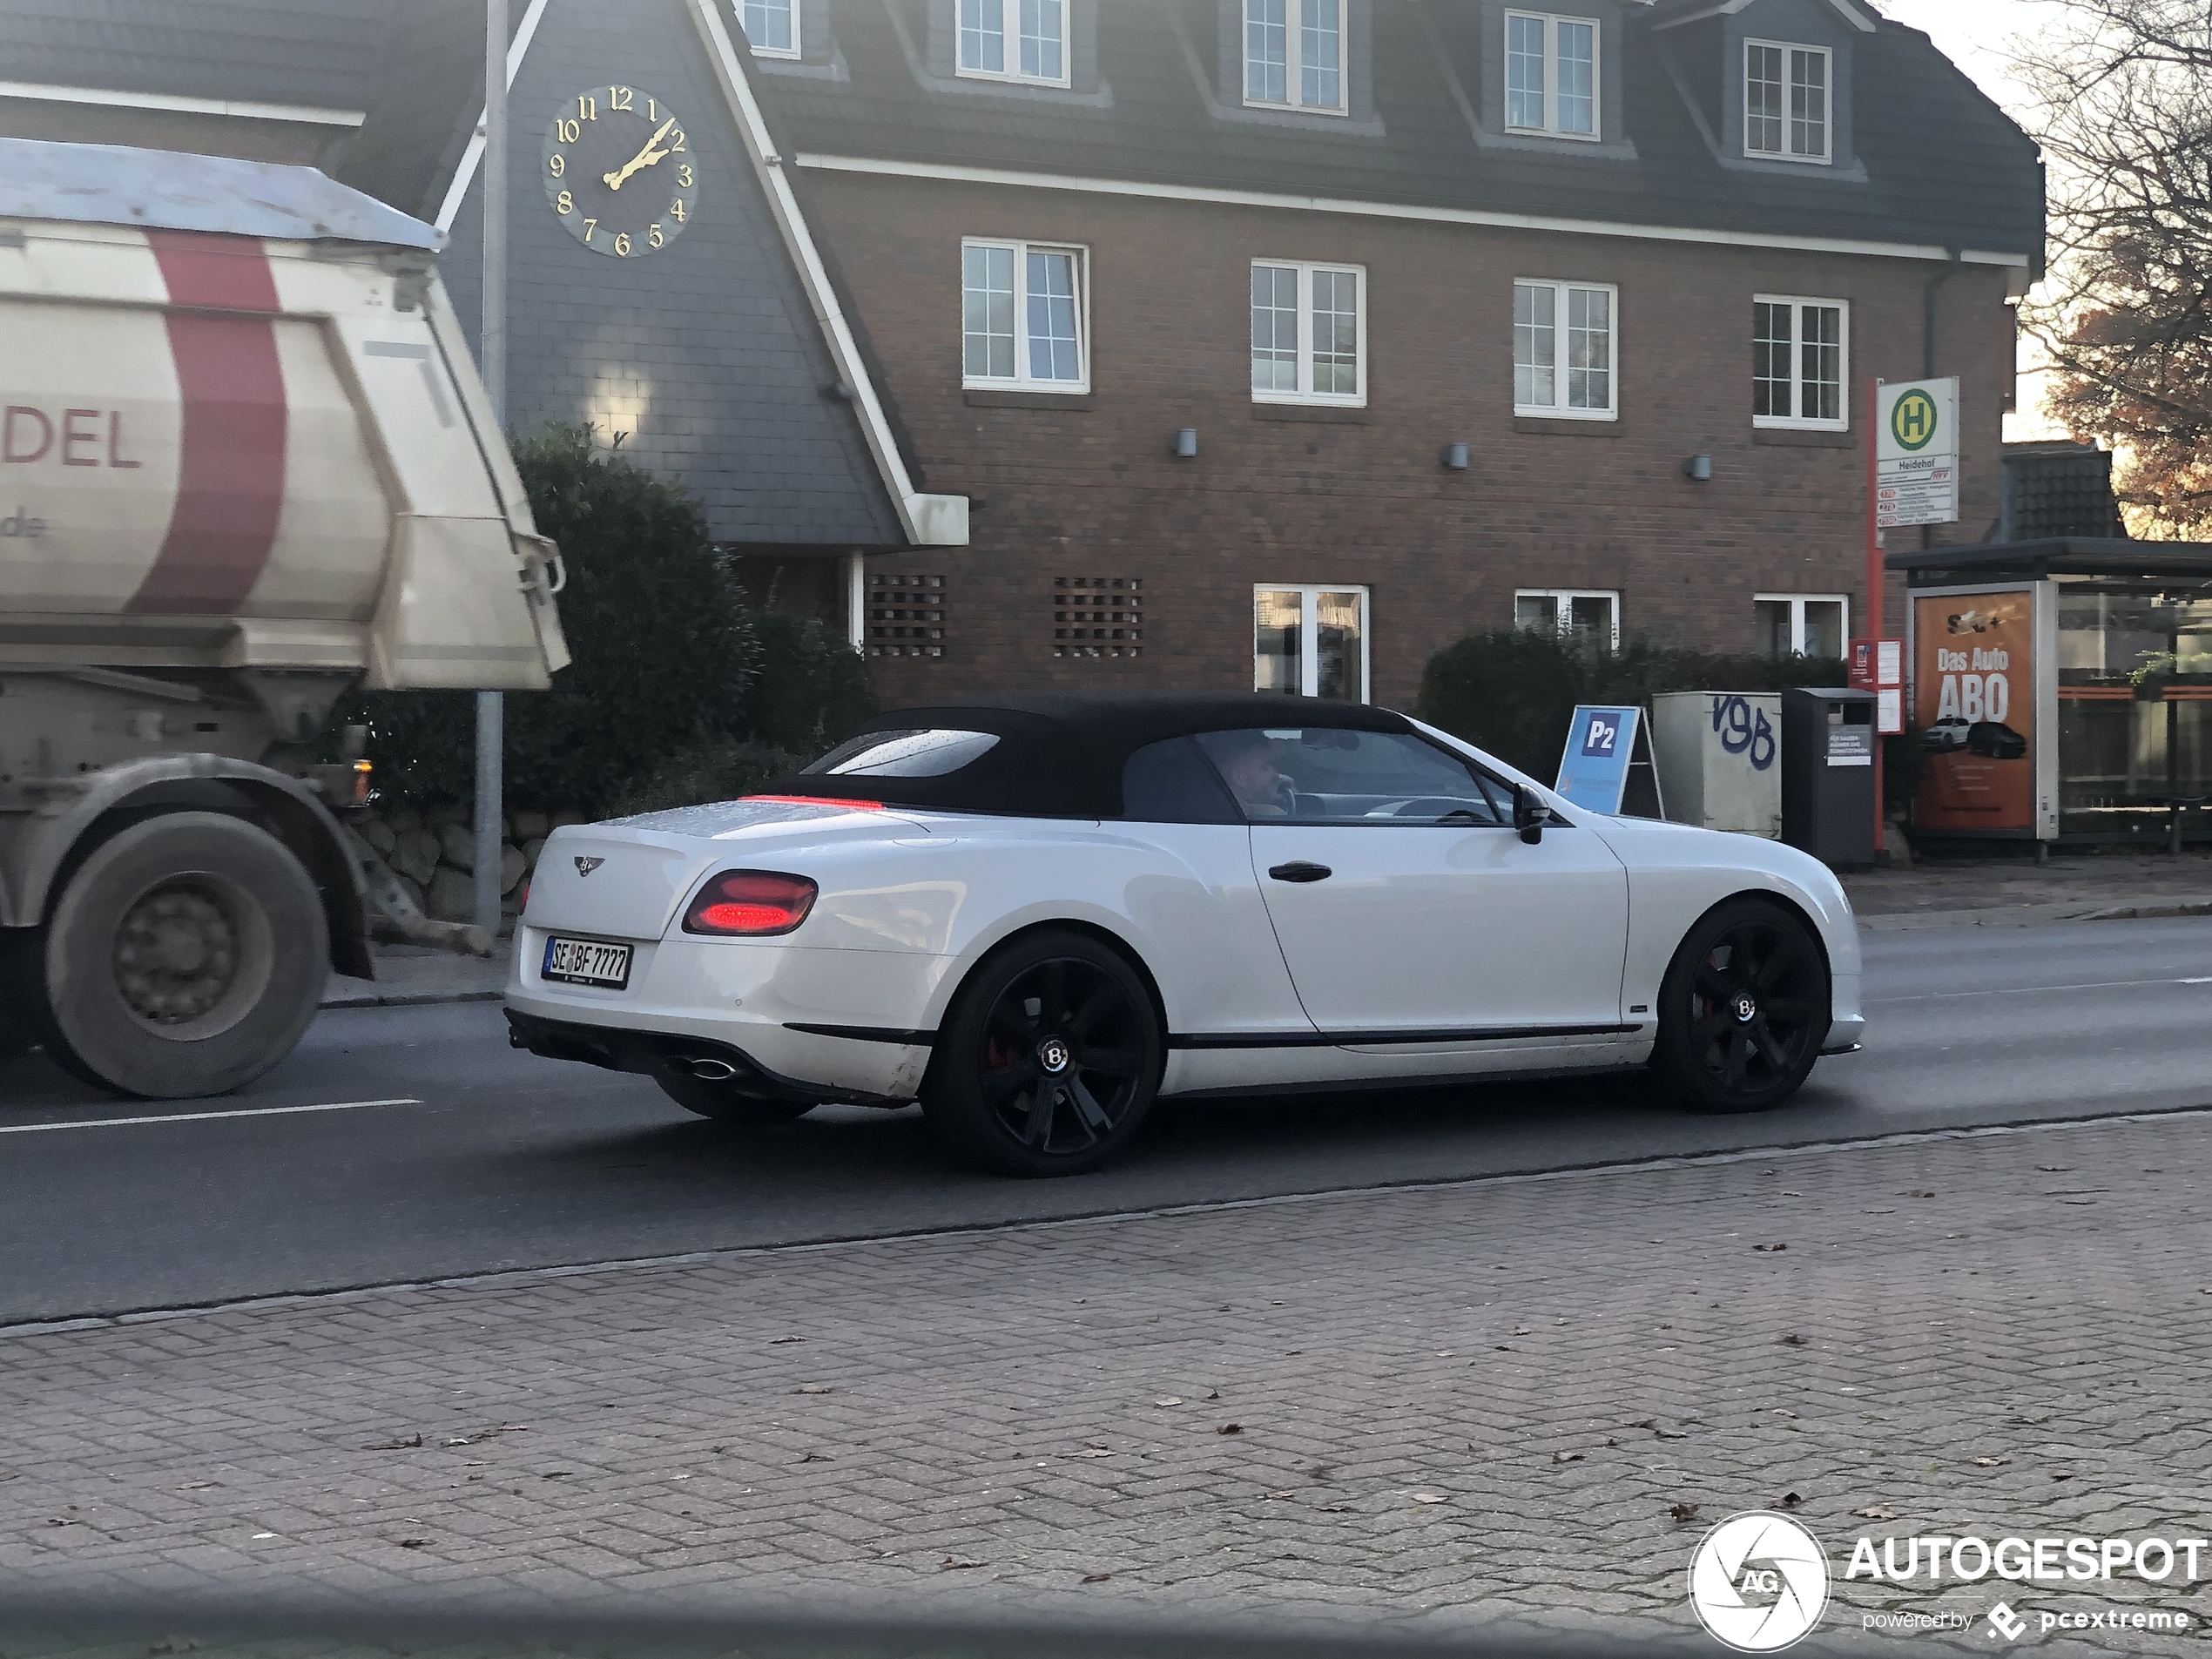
185, 957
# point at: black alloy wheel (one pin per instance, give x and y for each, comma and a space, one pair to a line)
1743, 1010
1050, 1060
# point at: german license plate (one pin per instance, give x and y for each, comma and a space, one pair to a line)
587, 961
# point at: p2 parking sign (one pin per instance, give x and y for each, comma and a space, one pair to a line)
1593, 773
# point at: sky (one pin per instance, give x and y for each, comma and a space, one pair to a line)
1980, 36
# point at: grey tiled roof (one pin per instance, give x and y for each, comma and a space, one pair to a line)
325, 54
1942, 164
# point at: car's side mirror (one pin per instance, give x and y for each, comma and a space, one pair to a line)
1529, 815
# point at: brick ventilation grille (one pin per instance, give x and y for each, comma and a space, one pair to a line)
1097, 615
905, 616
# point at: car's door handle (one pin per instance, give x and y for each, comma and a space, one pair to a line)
1301, 870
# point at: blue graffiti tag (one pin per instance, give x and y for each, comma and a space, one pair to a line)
1744, 729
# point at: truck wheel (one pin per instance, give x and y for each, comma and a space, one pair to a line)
185, 957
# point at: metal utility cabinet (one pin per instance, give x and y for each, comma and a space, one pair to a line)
1828, 774
1719, 758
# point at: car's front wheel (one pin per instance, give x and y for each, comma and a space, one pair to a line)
1744, 1009
1049, 1061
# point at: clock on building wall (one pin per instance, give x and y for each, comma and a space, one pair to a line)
620, 171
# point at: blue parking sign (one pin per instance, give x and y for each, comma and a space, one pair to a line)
1593, 773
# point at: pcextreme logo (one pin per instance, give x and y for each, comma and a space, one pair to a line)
1758, 1581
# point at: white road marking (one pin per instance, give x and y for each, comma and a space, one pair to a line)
2029, 990
200, 1117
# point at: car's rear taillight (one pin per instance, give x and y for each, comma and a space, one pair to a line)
750, 903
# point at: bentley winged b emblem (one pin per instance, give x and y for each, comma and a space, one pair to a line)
585, 867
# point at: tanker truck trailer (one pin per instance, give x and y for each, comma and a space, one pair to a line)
245, 465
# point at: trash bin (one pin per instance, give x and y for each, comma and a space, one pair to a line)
1828, 774
1719, 757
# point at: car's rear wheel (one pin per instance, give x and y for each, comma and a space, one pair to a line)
726, 1105
1049, 1061
1744, 1009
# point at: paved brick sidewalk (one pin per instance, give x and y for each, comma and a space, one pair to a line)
1450, 1406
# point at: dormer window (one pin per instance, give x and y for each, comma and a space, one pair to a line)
1014, 40
1786, 102
1294, 54
771, 27
1551, 75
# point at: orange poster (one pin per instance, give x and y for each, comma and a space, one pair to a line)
1974, 710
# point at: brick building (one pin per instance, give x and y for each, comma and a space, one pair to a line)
1443, 300
1258, 341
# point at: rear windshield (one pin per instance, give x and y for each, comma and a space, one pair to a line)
921, 753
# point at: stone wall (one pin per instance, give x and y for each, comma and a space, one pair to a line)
434, 853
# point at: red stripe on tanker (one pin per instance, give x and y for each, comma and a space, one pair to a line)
230, 486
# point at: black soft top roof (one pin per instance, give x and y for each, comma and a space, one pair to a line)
1061, 753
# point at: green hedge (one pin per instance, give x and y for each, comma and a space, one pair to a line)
676, 682
1514, 691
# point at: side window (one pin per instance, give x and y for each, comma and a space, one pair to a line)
1325, 775
1170, 783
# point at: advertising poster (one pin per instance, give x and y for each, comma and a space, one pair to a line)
1974, 710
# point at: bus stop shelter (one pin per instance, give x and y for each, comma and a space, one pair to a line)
2061, 690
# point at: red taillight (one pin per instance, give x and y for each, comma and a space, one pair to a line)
820, 800
751, 903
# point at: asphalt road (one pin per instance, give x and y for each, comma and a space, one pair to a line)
480, 1159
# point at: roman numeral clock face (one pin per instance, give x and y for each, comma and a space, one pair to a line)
620, 172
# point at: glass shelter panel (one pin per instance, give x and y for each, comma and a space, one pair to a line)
2135, 667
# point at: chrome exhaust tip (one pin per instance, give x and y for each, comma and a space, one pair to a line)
711, 1071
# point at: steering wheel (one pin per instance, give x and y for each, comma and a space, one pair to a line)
1442, 808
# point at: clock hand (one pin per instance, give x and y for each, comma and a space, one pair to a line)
646, 158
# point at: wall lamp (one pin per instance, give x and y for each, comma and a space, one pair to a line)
1186, 442
1699, 468
1455, 457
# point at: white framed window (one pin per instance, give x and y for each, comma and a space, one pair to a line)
1310, 641
1588, 616
1800, 362
1309, 332
1551, 75
771, 27
1014, 40
1025, 316
1294, 54
1803, 625
1565, 336
1786, 101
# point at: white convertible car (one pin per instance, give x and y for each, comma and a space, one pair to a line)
1038, 913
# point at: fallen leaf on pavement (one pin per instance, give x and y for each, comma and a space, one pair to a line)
415, 1544
395, 1445
815, 1457
196, 1486
1645, 1422
1281, 1494
1566, 1457
1793, 1339
1876, 1512
778, 1342
1097, 1578
1671, 1433
1429, 1497
69, 1521
1231, 1428
1919, 1195
1781, 1411
1169, 1399
1092, 1451
1772, 1247
1788, 1500
1215, 1395
1685, 1512
1991, 1462
1522, 1330
814, 1388
955, 1563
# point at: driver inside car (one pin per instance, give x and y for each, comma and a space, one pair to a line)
1247, 764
